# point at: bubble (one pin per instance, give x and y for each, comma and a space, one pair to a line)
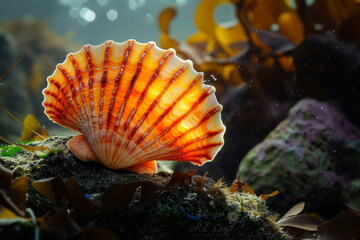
90, 16
112, 15
181, 2
291, 3
82, 22
141, 2
309, 2
75, 4
87, 14
225, 14
73, 13
102, 2
274, 27
148, 18
318, 26
65, 2
133, 4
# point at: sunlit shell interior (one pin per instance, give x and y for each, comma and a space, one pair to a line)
135, 103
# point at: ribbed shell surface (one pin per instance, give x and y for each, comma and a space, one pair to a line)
135, 103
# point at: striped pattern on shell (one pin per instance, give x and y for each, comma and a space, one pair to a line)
133, 104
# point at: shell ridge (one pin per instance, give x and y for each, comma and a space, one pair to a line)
120, 113
156, 100
69, 80
194, 158
141, 98
178, 73
90, 83
158, 120
62, 123
95, 143
155, 103
165, 145
102, 136
114, 93
117, 81
145, 91
121, 110
168, 110
72, 122
79, 79
185, 155
204, 118
103, 82
49, 112
125, 129
200, 138
130, 89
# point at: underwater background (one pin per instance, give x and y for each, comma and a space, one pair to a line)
48, 31
287, 73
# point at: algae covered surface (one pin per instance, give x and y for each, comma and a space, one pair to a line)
312, 156
133, 206
9, 151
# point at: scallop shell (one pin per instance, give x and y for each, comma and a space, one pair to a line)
134, 103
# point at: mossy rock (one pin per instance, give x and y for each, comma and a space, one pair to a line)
194, 210
9, 150
311, 156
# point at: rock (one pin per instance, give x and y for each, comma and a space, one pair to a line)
351, 193
311, 156
193, 207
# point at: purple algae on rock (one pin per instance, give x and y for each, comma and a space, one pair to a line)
311, 156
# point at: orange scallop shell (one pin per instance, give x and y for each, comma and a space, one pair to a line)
134, 103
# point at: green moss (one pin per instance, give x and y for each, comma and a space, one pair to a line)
353, 144
308, 115
50, 153
172, 212
291, 159
9, 150
351, 193
167, 212
45, 155
27, 142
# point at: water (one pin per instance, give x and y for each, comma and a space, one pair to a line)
96, 21
285, 72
